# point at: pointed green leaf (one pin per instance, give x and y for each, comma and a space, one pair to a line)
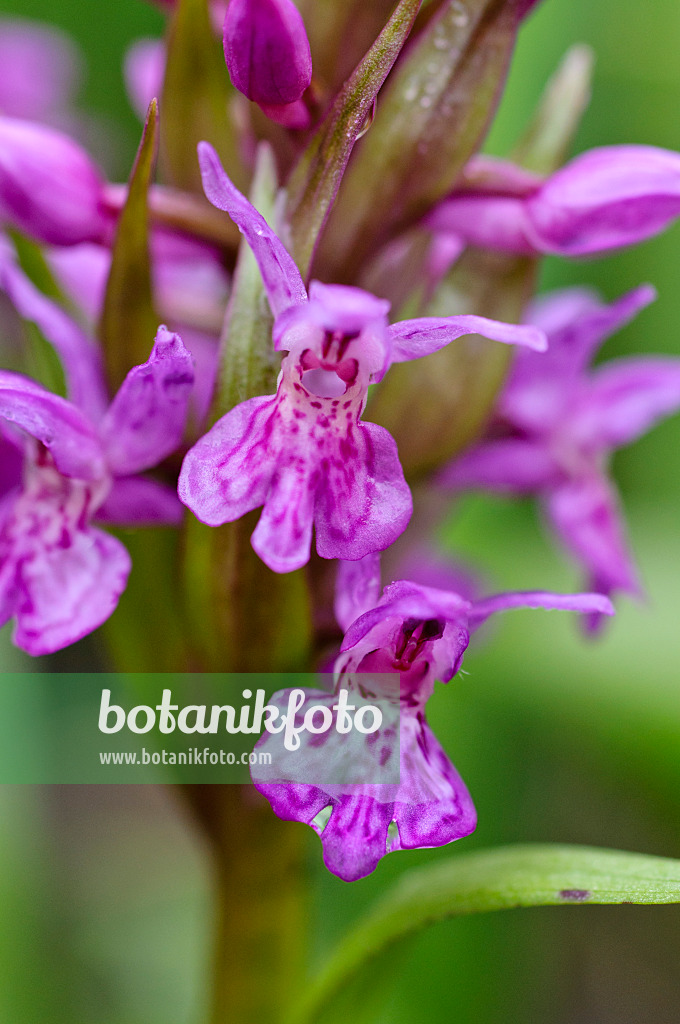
429, 121
317, 177
501, 879
128, 324
196, 95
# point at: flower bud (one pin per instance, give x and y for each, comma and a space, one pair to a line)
267, 51
605, 199
49, 187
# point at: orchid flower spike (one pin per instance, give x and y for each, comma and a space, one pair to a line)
304, 453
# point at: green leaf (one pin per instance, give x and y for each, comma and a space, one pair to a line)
502, 879
429, 121
316, 179
129, 322
196, 94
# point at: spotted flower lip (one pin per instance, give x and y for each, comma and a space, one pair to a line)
606, 198
72, 463
268, 57
304, 453
557, 422
420, 634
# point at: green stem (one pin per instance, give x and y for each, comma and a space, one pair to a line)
260, 898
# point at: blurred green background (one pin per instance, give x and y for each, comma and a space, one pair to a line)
104, 891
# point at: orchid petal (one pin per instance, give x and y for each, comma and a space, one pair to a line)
59, 425
81, 359
585, 604
510, 465
144, 69
64, 593
490, 222
267, 50
49, 187
586, 515
577, 324
607, 198
140, 501
357, 588
363, 502
625, 397
281, 277
146, 419
40, 68
229, 470
283, 535
412, 339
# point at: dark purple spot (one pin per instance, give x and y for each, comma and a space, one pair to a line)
577, 895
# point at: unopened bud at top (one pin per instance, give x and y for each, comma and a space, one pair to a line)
267, 51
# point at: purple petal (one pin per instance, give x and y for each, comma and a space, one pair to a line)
424, 565
140, 501
430, 805
291, 115
229, 470
586, 604
488, 221
80, 358
40, 68
586, 516
540, 392
267, 50
512, 465
59, 425
49, 187
625, 398
146, 419
204, 349
64, 593
190, 283
332, 307
434, 806
144, 70
363, 502
11, 462
493, 175
607, 198
283, 535
357, 588
412, 339
401, 601
280, 275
